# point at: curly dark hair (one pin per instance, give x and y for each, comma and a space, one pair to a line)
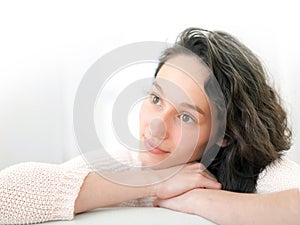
257, 131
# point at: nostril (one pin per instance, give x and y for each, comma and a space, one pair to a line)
157, 128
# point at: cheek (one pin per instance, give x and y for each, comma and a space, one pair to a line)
144, 117
193, 141
187, 139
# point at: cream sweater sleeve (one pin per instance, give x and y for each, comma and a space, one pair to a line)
38, 192
280, 175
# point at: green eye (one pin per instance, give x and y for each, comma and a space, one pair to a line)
187, 118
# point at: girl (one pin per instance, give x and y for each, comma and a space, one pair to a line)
186, 129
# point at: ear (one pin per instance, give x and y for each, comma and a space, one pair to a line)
223, 143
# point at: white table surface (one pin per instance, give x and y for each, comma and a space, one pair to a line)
135, 215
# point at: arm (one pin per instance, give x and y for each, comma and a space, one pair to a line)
97, 192
223, 207
40, 192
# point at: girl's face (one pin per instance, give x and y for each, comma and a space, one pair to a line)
175, 118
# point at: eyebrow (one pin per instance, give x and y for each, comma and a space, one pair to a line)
193, 107
158, 86
183, 104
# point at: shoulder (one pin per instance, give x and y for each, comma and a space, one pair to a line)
280, 175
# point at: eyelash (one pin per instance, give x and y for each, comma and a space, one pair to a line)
190, 117
152, 95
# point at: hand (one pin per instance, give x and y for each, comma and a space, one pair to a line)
185, 202
191, 176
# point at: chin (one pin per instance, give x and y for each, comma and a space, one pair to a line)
151, 162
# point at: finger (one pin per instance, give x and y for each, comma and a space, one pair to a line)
204, 171
200, 168
204, 182
208, 175
164, 203
195, 166
155, 203
205, 178
176, 203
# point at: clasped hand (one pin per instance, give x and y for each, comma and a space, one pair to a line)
189, 177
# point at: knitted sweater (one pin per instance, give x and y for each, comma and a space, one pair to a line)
38, 192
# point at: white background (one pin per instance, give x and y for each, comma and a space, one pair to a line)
47, 46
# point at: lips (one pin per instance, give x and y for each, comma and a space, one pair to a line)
154, 149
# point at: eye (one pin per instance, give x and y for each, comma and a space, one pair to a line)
186, 118
155, 99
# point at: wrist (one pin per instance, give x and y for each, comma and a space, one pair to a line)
152, 190
154, 180
194, 200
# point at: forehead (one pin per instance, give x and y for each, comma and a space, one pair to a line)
182, 79
189, 65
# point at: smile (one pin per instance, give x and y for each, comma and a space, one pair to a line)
152, 148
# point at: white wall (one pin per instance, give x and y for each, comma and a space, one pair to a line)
47, 46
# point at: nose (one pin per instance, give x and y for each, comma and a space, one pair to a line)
157, 128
